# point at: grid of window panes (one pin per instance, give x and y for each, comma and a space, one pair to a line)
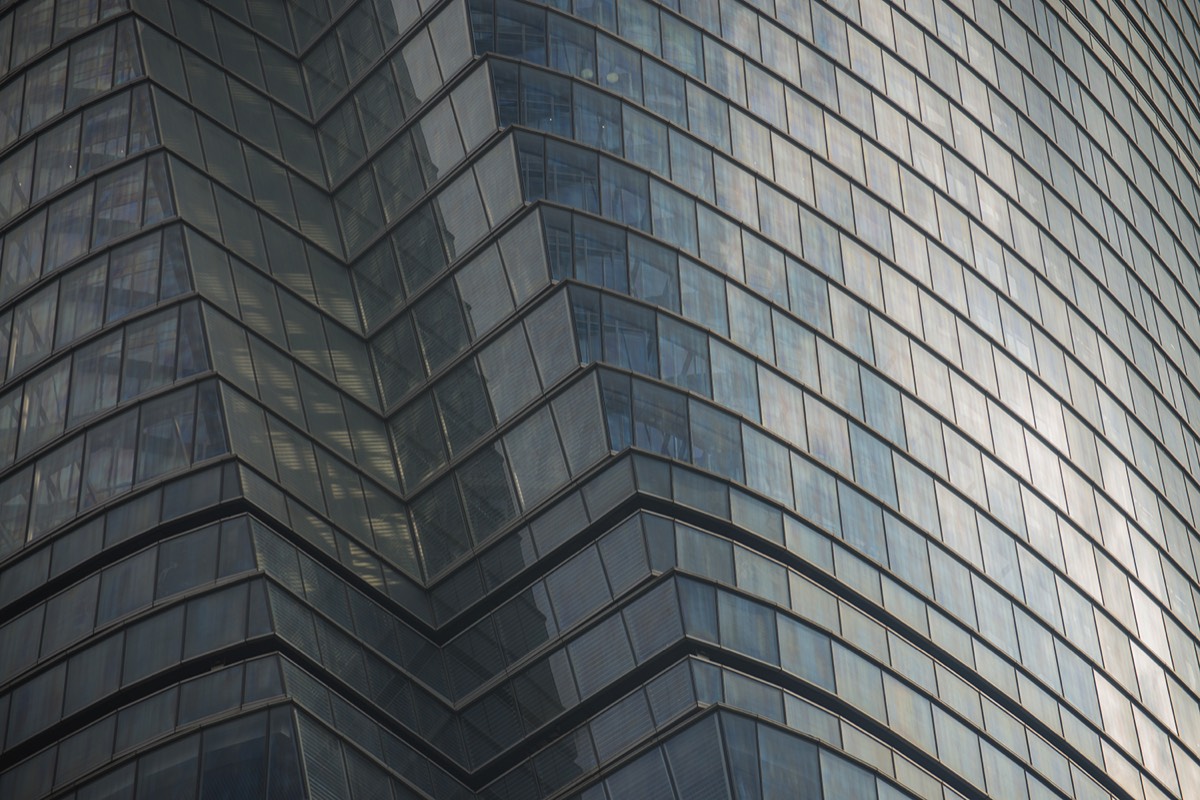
927, 298
896, 303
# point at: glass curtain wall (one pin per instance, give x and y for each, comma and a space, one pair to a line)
599, 399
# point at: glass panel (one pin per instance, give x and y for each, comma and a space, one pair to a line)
126, 586
509, 371
165, 438
108, 459
599, 254
536, 457
10, 99
441, 326
840, 778
186, 562
600, 655
488, 492
35, 705
94, 377
626, 194
105, 133
418, 441
442, 148
127, 64
716, 441
748, 627
45, 88
22, 255
741, 744
620, 68
789, 766
398, 173
683, 351
419, 248
149, 354
74, 16
133, 277
153, 644
485, 294
94, 673
170, 770
768, 468
653, 273
14, 509
215, 620
118, 203
16, 181
379, 106
377, 281
571, 176
58, 150
546, 102
70, 615
31, 27
578, 414
10, 423
45, 407
55, 488
630, 338
91, 66
463, 402
438, 516
33, 329
660, 421
461, 212
806, 652
234, 759
586, 310
397, 360
67, 233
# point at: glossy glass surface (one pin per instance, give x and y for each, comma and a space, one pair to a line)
599, 398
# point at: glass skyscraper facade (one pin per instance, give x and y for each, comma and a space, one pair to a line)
599, 398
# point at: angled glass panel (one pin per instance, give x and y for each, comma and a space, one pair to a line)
45, 407
149, 354
108, 459
167, 427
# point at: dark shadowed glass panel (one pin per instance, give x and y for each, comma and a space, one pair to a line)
81, 300
93, 673
283, 767
660, 420
741, 745
153, 644
186, 561
463, 402
170, 770
440, 326
840, 778
438, 517
117, 784
126, 586
165, 439
487, 492
234, 759
790, 767
697, 763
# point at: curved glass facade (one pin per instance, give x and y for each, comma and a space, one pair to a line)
599, 399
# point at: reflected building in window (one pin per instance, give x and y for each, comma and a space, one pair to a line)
599, 399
